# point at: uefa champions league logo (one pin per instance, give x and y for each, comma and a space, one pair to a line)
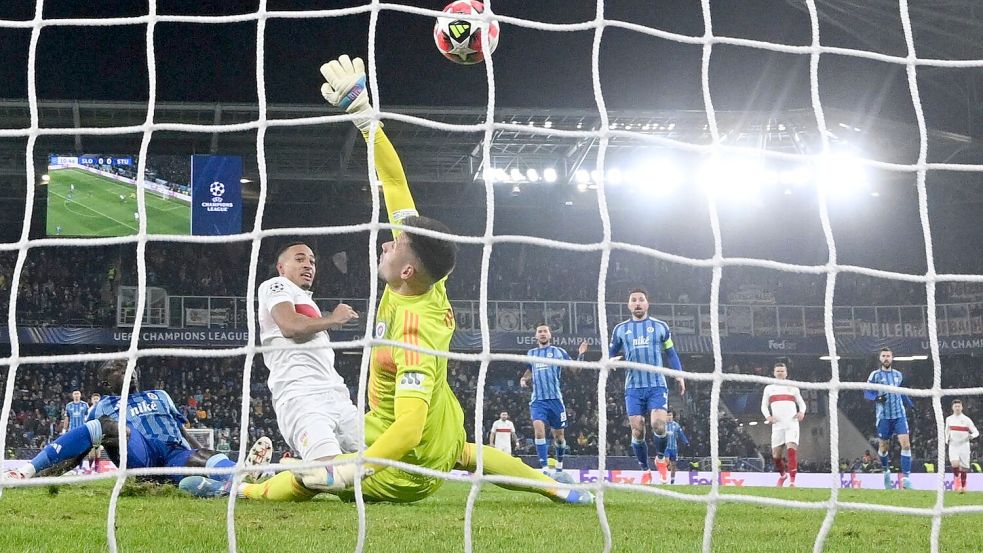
218, 190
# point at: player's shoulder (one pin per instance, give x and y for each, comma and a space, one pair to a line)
621, 325
276, 284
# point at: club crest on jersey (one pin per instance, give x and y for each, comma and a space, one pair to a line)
651, 329
152, 395
549, 354
380, 329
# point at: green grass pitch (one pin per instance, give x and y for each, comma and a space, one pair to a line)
94, 208
74, 519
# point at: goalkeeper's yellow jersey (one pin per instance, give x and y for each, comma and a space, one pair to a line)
427, 321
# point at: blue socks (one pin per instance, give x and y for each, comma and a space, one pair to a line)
561, 449
886, 463
221, 461
543, 450
69, 446
641, 449
906, 462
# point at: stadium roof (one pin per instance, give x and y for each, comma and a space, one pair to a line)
317, 151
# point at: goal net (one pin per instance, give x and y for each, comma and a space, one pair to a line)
600, 25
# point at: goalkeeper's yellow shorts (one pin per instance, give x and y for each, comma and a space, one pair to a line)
399, 486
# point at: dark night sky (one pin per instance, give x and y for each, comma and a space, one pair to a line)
533, 68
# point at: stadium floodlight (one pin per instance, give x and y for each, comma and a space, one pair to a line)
827, 358
500, 175
596, 176
244, 180
840, 174
45, 177
532, 175
516, 190
660, 175
582, 176
798, 176
582, 186
516, 174
614, 176
549, 174
910, 357
734, 178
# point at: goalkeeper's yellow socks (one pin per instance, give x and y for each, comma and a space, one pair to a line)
501, 464
282, 487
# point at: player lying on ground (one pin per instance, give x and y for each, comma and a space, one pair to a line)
783, 408
156, 436
414, 416
892, 420
959, 430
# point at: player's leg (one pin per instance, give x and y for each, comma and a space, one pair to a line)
956, 467
792, 450
558, 422
495, 462
778, 454
963, 466
635, 408
901, 429
63, 454
539, 415
657, 405
883, 448
671, 457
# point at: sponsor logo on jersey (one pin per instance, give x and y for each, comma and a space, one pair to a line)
143, 408
412, 381
642, 342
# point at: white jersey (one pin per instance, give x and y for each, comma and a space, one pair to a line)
503, 435
959, 429
782, 402
296, 373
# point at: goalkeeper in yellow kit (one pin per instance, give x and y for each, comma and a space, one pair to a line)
413, 415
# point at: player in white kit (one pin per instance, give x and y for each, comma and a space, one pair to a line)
959, 430
783, 408
313, 407
502, 433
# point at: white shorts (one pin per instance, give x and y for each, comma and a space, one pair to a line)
318, 426
782, 434
504, 446
959, 452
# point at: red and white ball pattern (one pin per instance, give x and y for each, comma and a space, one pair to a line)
459, 40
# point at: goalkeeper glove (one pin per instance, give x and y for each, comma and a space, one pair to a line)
345, 88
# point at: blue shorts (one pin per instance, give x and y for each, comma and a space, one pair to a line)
549, 410
143, 452
642, 401
891, 427
671, 454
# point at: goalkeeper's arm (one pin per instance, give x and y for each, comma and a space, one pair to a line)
345, 88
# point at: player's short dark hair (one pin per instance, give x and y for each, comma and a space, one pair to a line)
955, 401
671, 412
287, 246
639, 290
779, 364
885, 348
79, 391
544, 323
437, 255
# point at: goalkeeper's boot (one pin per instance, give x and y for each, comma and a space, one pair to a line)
906, 483
201, 486
887, 480
260, 454
563, 477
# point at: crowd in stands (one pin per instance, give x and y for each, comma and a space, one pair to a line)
78, 286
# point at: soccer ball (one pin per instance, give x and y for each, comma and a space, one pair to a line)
459, 40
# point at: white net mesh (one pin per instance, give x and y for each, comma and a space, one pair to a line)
488, 240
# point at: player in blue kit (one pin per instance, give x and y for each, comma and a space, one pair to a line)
74, 413
642, 339
674, 433
546, 406
891, 417
156, 436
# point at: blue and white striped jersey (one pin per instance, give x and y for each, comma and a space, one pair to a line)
151, 412
893, 407
546, 376
674, 433
641, 342
76, 411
